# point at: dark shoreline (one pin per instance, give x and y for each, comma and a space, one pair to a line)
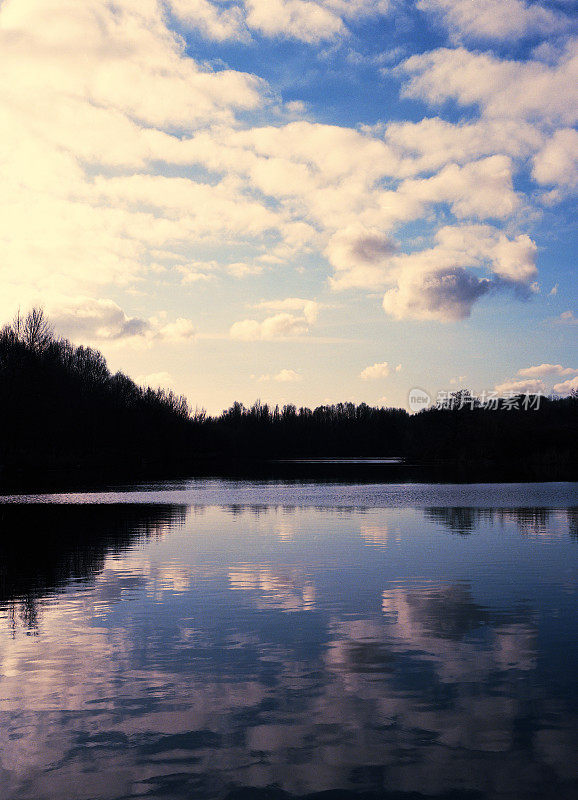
351, 469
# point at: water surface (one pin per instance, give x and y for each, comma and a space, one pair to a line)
185, 640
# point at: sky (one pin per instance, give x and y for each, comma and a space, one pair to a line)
296, 200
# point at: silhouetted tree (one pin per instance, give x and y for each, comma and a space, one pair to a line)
60, 406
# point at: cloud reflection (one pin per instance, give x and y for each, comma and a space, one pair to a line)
191, 664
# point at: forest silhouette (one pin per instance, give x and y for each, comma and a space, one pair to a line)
61, 408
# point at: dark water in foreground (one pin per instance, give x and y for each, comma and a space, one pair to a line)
184, 640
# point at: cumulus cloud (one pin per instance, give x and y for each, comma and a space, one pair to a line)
503, 89
521, 387
546, 369
567, 318
514, 260
494, 19
100, 320
359, 256
557, 161
376, 371
300, 19
482, 189
121, 57
309, 308
439, 283
91, 86
309, 20
88, 318
196, 206
212, 21
100, 99
445, 295
287, 376
279, 326
181, 330
432, 142
283, 376
567, 387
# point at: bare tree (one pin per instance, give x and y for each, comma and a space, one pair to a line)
35, 330
18, 324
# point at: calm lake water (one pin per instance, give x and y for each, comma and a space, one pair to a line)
182, 640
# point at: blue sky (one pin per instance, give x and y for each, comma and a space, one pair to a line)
302, 201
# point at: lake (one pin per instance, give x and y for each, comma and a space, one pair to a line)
189, 639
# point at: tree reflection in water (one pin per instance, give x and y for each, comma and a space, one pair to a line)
242, 650
44, 547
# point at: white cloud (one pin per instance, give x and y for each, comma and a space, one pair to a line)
300, 19
283, 376
521, 387
481, 189
309, 308
359, 256
375, 372
557, 161
358, 9
466, 245
201, 208
212, 21
438, 283
515, 259
278, 326
322, 173
181, 330
494, 19
99, 98
91, 86
98, 320
445, 295
247, 330
567, 387
432, 142
288, 376
284, 325
310, 21
546, 369
87, 318
118, 56
567, 318
503, 89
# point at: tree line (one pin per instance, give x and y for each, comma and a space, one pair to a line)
61, 407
